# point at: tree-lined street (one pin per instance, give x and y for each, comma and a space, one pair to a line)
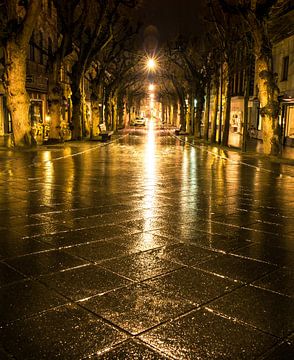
145, 247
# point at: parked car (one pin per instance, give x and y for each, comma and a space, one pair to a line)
140, 121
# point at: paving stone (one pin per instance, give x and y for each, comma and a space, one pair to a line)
283, 351
137, 307
205, 335
67, 332
131, 350
281, 281
236, 268
140, 266
194, 285
97, 251
26, 298
260, 308
45, 262
187, 254
8, 275
84, 282
142, 241
16, 246
264, 252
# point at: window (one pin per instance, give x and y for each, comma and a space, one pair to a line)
285, 68
41, 47
32, 47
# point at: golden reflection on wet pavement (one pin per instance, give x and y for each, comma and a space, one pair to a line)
172, 251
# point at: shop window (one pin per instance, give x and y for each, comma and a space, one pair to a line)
36, 112
290, 122
285, 68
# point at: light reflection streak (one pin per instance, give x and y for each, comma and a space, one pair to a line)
150, 176
49, 176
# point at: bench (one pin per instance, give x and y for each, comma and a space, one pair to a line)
104, 134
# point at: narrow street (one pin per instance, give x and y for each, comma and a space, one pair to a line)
145, 247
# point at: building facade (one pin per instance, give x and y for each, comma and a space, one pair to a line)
283, 57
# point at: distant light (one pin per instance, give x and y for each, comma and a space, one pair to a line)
151, 87
151, 64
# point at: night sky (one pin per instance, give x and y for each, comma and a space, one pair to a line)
172, 17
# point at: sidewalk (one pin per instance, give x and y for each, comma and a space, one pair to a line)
147, 248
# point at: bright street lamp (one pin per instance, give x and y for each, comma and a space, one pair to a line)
151, 64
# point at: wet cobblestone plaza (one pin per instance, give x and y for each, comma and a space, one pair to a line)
145, 248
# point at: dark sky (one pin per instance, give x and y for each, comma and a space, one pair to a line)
172, 17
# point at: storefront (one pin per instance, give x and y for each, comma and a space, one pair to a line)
39, 122
287, 120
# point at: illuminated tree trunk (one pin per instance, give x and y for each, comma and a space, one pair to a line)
107, 108
227, 117
269, 105
214, 110
54, 96
207, 110
95, 116
188, 116
77, 108
18, 101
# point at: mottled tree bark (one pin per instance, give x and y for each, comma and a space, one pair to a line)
18, 101
54, 96
227, 112
214, 110
198, 117
76, 109
207, 110
269, 105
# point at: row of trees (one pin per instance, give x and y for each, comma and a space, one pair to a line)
96, 39
199, 66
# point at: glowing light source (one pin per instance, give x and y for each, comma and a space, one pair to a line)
151, 64
151, 87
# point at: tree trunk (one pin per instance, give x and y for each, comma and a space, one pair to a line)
227, 117
198, 117
18, 101
95, 117
269, 105
246, 101
120, 110
191, 118
207, 110
183, 115
214, 111
77, 109
107, 109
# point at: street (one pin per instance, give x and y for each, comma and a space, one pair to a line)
145, 247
